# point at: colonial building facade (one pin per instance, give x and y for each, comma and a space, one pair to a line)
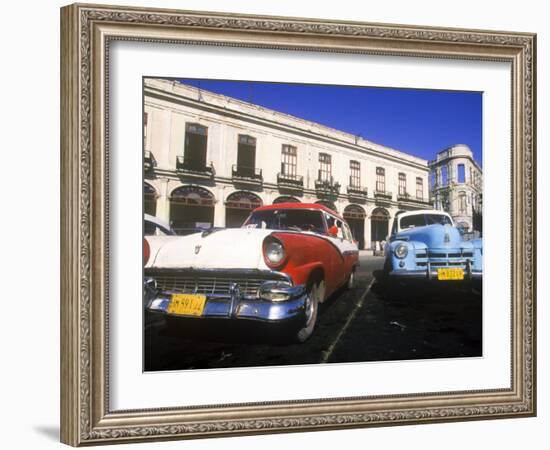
456, 186
210, 159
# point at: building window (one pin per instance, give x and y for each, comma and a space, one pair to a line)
462, 173
446, 201
380, 179
462, 203
145, 117
444, 175
355, 174
246, 155
289, 161
194, 155
419, 188
433, 179
402, 184
325, 167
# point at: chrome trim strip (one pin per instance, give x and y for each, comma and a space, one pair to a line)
267, 274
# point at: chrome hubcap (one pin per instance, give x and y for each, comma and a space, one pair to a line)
310, 305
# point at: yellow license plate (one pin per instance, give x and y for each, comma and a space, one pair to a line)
450, 273
187, 304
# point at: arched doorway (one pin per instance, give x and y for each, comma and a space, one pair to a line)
238, 207
285, 199
380, 219
355, 217
191, 207
149, 199
329, 205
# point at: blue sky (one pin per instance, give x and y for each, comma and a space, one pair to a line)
415, 121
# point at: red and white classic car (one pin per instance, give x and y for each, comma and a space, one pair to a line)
278, 267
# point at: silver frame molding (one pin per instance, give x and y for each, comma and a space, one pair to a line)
86, 32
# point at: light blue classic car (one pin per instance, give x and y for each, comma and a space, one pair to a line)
425, 244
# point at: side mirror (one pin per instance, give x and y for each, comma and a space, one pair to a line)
333, 231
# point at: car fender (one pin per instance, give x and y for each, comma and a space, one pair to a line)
478, 254
409, 262
307, 252
302, 274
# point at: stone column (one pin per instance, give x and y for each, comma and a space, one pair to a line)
367, 232
219, 208
163, 203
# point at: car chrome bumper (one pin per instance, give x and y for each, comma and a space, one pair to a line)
425, 274
291, 304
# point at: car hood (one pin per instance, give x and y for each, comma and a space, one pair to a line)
233, 248
434, 236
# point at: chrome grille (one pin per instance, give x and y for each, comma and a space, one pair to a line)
453, 257
206, 283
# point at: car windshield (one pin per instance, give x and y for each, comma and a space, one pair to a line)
420, 220
287, 219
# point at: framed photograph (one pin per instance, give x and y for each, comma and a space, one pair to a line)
277, 224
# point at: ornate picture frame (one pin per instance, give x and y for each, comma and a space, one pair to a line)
87, 31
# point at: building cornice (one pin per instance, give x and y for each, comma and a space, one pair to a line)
443, 161
456, 187
172, 97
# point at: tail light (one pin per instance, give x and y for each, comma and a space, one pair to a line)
146, 251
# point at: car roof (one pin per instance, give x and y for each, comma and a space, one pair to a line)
421, 211
298, 205
156, 221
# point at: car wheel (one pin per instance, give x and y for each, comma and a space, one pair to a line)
350, 284
312, 307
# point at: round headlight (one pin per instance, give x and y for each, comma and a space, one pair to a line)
401, 250
274, 252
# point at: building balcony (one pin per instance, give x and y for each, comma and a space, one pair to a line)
247, 175
327, 188
357, 192
194, 170
290, 182
149, 161
407, 198
383, 195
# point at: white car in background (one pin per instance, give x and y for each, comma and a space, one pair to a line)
153, 226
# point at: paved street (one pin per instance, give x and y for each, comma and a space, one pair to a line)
363, 324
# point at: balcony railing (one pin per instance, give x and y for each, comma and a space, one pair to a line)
357, 192
327, 188
192, 169
382, 195
408, 198
249, 175
149, 161
290, 182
